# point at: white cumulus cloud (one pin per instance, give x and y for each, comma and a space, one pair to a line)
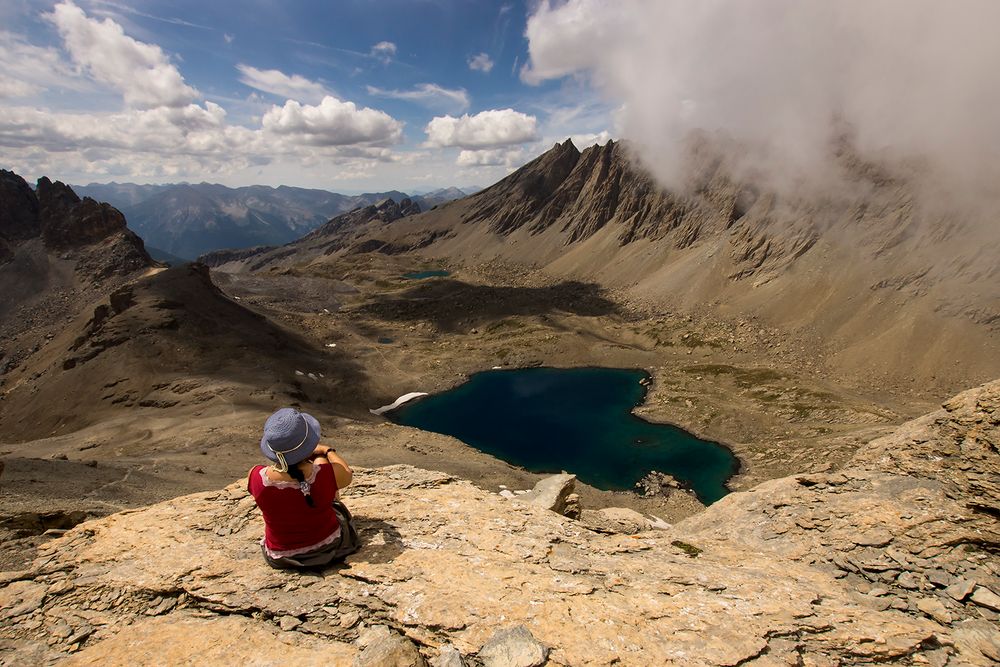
384, 51
332, 123
141, 72
30, 69
589, 139
490, 157
278, 83
428, 94
163, 132
481, 62
487, 129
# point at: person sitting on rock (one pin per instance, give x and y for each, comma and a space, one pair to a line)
305, 524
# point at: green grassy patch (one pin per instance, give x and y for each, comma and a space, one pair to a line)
695, 340
690, 549
743, 377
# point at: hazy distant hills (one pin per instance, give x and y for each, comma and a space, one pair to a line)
188, 220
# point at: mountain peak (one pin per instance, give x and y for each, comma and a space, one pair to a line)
65, 222
567, 144
18, 208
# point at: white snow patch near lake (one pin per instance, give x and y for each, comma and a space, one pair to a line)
398, 402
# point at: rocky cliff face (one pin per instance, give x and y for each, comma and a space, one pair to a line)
892, 559
58, 253
65, 223
18, 208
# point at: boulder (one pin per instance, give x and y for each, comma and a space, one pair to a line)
448, 656
984, 597
513, 647
615, 520
551, 493
390, 650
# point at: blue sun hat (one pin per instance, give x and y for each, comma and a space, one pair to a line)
290, 437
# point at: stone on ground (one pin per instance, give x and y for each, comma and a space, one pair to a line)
513, 647
551, 493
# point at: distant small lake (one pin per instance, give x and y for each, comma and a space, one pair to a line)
420, 275
578, 420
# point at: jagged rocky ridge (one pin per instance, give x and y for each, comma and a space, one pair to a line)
67, 224
892, 559
57, 253
580, 193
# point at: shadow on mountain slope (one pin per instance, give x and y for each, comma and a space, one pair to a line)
451, 304
172, 340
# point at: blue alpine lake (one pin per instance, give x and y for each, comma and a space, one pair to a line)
420, 275
579, 420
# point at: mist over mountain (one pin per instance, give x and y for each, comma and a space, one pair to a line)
911, 82
189, 220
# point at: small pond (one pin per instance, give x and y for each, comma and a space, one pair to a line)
578, 420
420, 275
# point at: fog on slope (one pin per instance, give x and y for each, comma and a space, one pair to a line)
910, 82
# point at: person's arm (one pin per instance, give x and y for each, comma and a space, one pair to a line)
341, 470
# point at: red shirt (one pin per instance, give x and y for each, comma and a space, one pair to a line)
291, 526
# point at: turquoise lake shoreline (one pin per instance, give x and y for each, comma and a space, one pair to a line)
576, 419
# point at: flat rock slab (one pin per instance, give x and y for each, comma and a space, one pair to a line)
218, 640
984, 597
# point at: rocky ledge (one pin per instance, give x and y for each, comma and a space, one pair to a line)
892, 559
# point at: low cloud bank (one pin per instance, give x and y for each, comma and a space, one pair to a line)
904, 80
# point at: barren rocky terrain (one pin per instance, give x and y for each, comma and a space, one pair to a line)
849, 540
891, 559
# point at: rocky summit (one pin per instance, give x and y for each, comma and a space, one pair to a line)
68, 225
890, 559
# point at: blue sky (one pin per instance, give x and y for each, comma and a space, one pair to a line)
346, 95
369, 95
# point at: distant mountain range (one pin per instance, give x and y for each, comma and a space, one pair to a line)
187, 220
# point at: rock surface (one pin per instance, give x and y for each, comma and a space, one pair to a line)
808, 570
551, 493
66, 223
513, 647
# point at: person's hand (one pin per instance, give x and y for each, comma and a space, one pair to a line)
321, 450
